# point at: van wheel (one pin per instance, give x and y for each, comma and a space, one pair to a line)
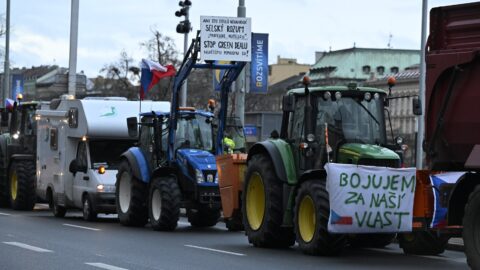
164, 203
89, 213
22, 185
131, 197
471, 229
58, 210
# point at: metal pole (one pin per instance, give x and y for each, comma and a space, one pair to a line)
183, 92
6, 71
421, 119
72, 65
240, 83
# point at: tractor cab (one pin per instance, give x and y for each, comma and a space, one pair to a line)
343, 124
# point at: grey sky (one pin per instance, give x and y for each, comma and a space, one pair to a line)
40, 28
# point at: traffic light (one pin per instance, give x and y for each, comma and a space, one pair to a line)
184, 26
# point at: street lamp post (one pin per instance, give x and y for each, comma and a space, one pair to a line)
184, 27
240, 83
6, 71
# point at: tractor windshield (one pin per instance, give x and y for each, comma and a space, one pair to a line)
352, 120
194, 131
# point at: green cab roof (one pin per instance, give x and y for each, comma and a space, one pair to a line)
339, 88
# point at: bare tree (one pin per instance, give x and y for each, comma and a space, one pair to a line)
118, 77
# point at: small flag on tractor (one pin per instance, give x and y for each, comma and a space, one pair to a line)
152, 72
9, 103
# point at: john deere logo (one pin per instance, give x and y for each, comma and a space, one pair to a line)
108, 111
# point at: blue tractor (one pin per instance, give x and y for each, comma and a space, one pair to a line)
174, 164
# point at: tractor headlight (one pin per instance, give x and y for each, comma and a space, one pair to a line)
210, 178
216, 178
199, 176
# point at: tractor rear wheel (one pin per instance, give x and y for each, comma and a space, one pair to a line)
371, 240
4, 201
203, 216
471, 229
22, 185
312, 210
131, 197
164, 203
262, 205
422, 243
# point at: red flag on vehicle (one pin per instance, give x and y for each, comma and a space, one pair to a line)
152, 72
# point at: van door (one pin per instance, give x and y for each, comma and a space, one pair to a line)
81, 179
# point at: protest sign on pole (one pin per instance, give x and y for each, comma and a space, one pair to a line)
225, 38
369, 199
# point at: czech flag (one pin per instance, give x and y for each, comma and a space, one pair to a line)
152, 72
9, 104
443, 184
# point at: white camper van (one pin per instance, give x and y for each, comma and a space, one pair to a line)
78, 145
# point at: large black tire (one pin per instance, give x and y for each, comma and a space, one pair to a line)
131, 197
203, 216
88, 211
311, 233
471, 229
4, 194
371, 240
164, 203
22, 185
422, 243
262, 206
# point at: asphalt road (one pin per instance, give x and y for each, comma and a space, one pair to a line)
37, 240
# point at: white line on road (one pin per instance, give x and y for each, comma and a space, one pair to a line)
4, 214
106, 266
29, 247
81, 227
216, 250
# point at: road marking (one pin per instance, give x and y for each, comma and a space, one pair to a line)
105, 266
81, 227
4, 214
216, 250
29, 247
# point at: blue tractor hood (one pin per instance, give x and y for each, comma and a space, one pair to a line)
199, 159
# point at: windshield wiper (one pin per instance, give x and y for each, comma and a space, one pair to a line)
369, 113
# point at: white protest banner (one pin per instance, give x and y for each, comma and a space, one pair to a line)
225, 38
369, 199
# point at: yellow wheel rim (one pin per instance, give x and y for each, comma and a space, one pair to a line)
306, 219
255, 201
13, 185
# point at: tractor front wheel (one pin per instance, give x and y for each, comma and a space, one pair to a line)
164, 203
471, 229
262, 205
312, 210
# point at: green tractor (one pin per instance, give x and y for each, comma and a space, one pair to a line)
284, 195
17, 156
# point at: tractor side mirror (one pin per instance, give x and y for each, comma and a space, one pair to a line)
132, 125
288, 104
416, 106
4, 121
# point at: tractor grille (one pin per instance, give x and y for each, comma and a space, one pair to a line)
393, 163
